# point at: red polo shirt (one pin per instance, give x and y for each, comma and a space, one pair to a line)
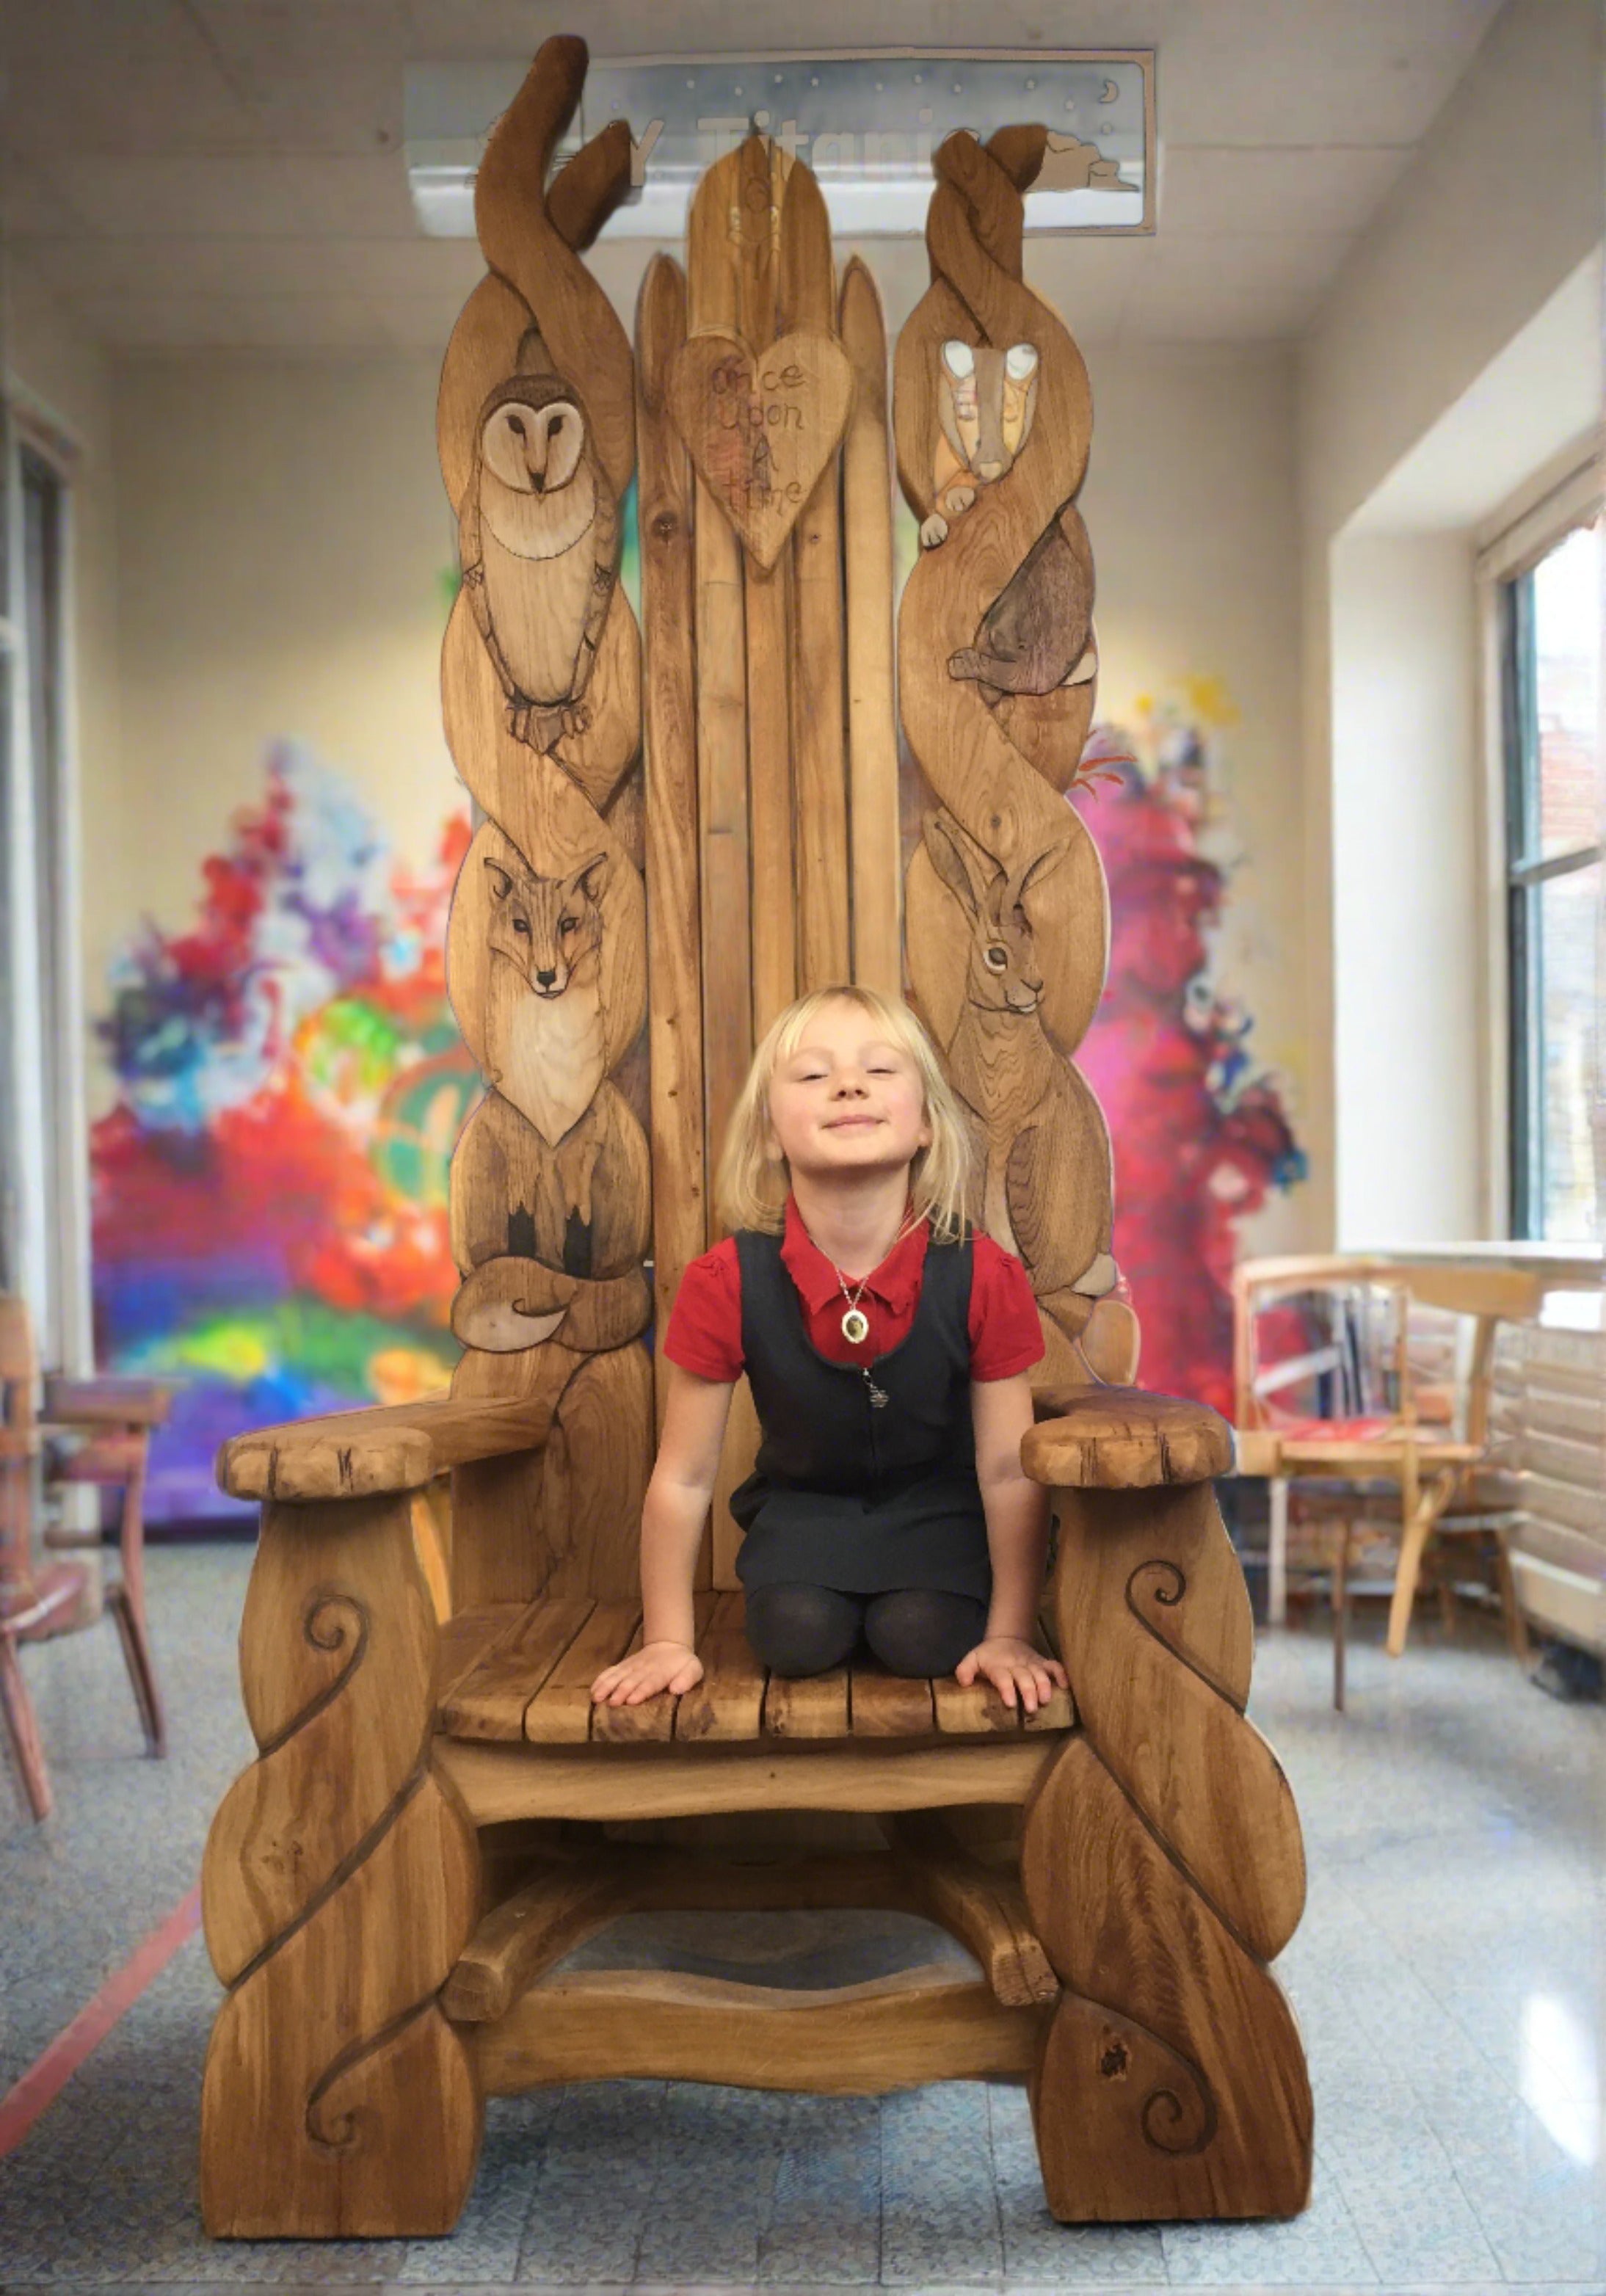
705, 1324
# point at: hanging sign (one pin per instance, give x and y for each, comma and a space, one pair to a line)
866, 124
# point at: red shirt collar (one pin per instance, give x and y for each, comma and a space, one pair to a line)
896, 1283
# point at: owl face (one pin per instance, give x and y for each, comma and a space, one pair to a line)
535, 450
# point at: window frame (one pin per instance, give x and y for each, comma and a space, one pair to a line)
1513, 545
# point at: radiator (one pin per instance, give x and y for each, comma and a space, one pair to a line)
1549, 1418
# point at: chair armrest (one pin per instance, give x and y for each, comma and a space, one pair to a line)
105, 1402
1118, 1439
363, 1454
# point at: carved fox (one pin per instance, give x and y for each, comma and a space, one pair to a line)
548, 926
985, 403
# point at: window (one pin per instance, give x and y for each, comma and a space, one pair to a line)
1550, 631
43, 1192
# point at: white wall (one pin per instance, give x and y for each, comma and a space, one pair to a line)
1499, 209
283, 537
1407, 1008
1191, 503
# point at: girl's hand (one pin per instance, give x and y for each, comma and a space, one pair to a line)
655, 1666
1011, 1665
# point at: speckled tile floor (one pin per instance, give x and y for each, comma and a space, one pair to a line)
1446, 1977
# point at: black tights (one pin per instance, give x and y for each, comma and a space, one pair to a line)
797, 1630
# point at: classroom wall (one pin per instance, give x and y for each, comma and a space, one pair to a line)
283, 540
284, 556
1408, 1019
1498, 210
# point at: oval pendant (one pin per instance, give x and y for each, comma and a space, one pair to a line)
856, 1326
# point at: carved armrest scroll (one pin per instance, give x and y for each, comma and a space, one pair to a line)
1118, 1439
366, 1454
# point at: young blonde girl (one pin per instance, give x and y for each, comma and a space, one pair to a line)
887, 1343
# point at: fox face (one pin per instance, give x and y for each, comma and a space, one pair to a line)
547, 926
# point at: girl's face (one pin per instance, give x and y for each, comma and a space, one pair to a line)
846, 1100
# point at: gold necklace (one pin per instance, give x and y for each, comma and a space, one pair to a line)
856, 1323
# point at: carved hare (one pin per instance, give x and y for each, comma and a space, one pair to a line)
1045, 1190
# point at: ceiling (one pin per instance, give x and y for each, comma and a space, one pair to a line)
228, 174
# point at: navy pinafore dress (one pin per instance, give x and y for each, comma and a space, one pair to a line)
844, 1493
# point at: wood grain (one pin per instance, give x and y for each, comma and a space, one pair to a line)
500, 1782
859, 2040
336, 2100
1161, 1680
724, 915
728, 1703
1121, 1438
807, 301
1175, 2087
489, 1699
674, 950
761, 421
366, 1454
877, 960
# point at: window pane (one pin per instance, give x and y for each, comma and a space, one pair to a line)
1567, 690
1567, 920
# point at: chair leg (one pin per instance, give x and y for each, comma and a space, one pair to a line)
1340, 1610
1419, 1526
23, 1727
128, 1606
1516, 1625
1277, 1556
142, 1674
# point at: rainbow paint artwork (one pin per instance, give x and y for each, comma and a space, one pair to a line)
270, 1223
1201, 1134
271, 1187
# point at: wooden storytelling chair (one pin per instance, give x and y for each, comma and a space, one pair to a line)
436, 1813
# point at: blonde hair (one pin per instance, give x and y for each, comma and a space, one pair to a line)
750, 1189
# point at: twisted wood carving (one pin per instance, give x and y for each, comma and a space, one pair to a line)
337, 2098
1163, 1869
546, 955
1007, 930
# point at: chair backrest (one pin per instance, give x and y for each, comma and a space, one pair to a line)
18, 1366
1479, 1298
623, 933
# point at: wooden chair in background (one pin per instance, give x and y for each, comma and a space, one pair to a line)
1373, 1435
1125, 1866
93, 1432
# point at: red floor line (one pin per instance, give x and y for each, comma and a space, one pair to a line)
49, 2074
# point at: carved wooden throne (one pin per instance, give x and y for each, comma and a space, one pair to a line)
436, 1813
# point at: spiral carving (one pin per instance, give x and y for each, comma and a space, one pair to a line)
1006, 907
551, 1184
1190, 2121
339, 1887
1162, 1582
329, 1616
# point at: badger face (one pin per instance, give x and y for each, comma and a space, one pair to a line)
534, 450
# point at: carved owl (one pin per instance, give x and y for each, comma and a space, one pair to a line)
538, 538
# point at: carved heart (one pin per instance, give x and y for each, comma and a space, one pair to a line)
761, 428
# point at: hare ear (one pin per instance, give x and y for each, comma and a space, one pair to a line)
960, 360
1041, 865
502, 885
951, 861
1020, 362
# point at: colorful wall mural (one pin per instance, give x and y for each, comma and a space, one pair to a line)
270, 1188
1202, 1135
